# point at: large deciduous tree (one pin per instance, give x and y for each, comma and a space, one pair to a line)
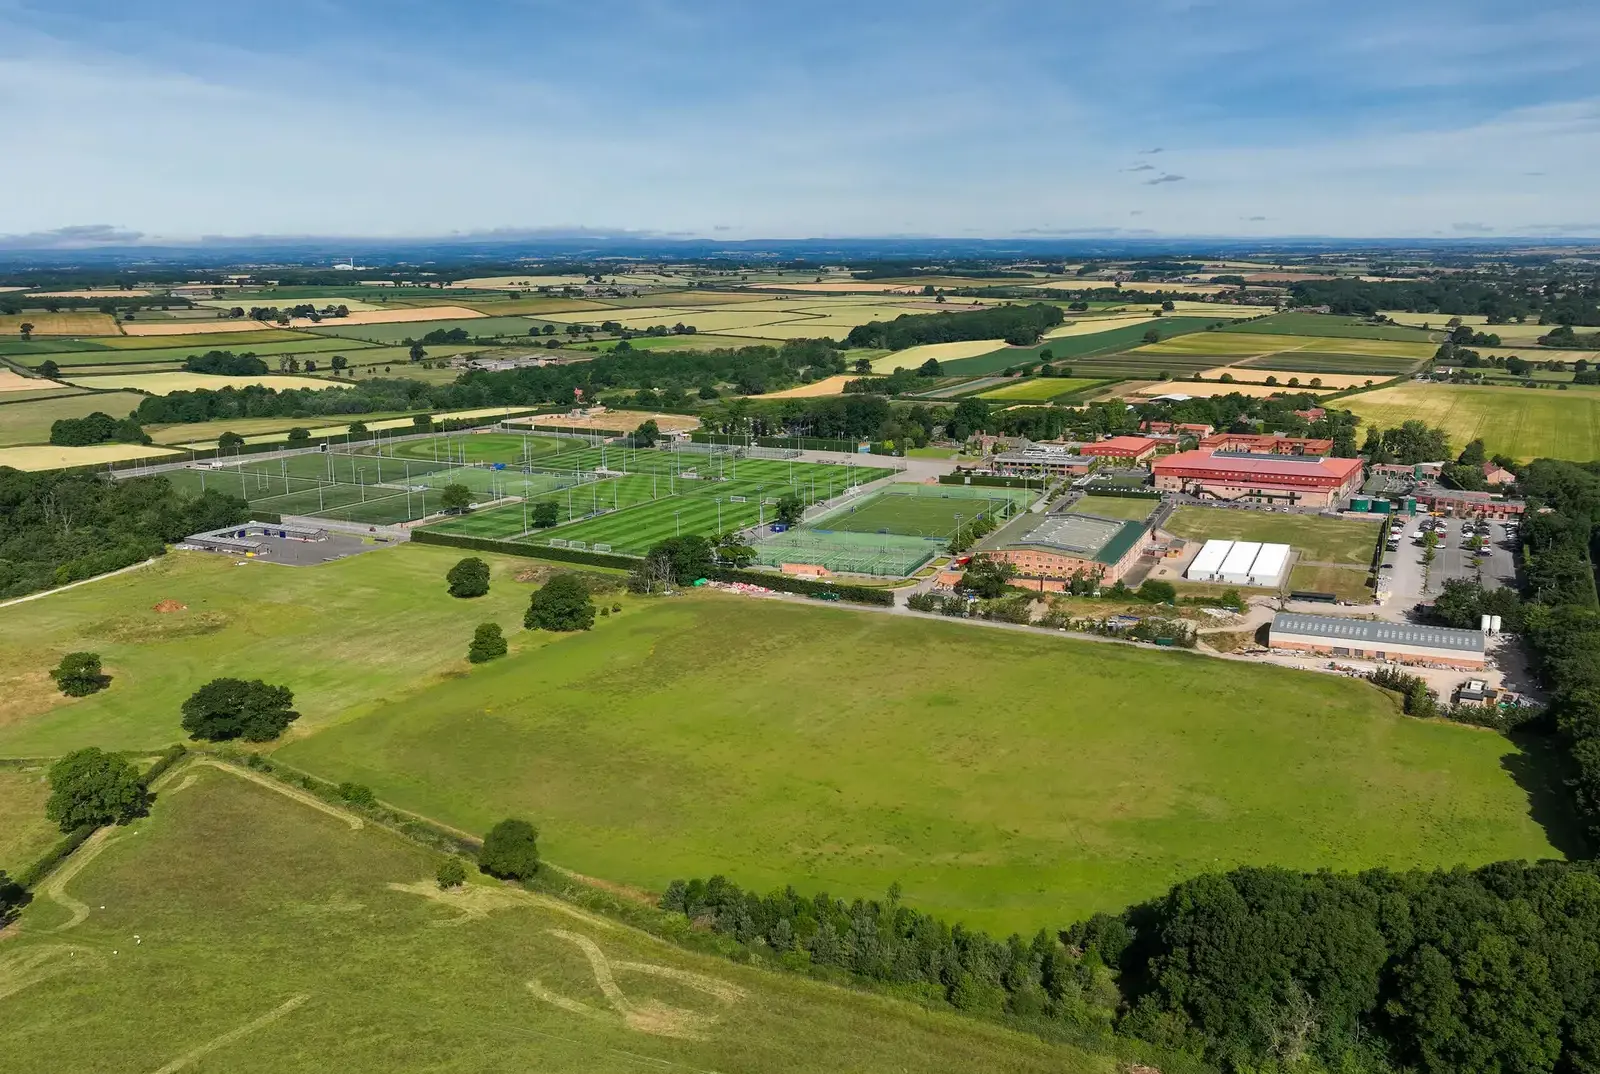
510, 850
92, 787
226, 709
468, 578
79, 675
562, 604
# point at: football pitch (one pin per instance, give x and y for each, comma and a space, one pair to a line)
918, 511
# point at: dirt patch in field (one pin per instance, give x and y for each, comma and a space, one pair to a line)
476, 901
169, 605
143, 627
28, 693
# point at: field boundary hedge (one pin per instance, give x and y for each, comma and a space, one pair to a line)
993, 481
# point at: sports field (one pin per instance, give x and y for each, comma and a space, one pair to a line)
921, 510
1316, 539
841, 750
1524, 423
270, 931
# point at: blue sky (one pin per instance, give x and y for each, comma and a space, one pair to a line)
745, 120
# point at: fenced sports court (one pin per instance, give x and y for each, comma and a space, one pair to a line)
930, 511
372, 489
884, 554
891, 532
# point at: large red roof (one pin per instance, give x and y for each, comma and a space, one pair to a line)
1121, 445
1202, 465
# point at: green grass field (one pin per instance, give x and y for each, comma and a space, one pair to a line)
917, 515
176, 354
396, 331
695, 508
273, 937
1347, 583
201, 342
1331, 325
1040, 389
1316, 539
1524, 423
1130, 507
842, 750
1222, 344
29, 422
1072, 349
25, 833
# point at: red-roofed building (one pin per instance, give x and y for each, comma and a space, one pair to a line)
1266, 444
1497, 475
1122, 448
1315, 413
1180, 428
1300, 481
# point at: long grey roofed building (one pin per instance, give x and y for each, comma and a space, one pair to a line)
1400, 642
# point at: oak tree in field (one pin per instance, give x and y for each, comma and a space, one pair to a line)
299, 435
358, 428
487, 643
455, 497
510, 850
562, 603
50, 371
468, 578
25, 329
90, 786
79, 675
230, 441
227, 708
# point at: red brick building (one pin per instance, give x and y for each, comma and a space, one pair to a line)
1291, 480
1266, 444
1178, 428
1122, 448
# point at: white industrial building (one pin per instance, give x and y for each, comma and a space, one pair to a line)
1248, 563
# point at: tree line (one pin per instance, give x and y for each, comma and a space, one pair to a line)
1020, 325
58, 527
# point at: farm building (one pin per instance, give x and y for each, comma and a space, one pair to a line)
1045, 461
1123, 448
1248, 563
1268, 444
1178, 428
1401, 643
1299, 480
1461, 503
1050, 550
1495, 474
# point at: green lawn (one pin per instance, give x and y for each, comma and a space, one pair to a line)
917, 514
1008, 781
1347, 583
245, 903
1524, 423
1316, 539
1131, 507
397, 331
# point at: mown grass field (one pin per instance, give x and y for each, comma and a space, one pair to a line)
150, 355
1040, 389
396, 331
273, 937
201, 343
843, 750
1347, 583
1317, 539
919, 515
1524, 423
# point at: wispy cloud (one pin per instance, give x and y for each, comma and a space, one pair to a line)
1141, 168
1164, 177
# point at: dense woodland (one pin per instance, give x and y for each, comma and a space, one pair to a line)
58, 527
1542, 297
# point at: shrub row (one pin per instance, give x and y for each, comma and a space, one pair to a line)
858, 594
530, 551
29, 878
172, 756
